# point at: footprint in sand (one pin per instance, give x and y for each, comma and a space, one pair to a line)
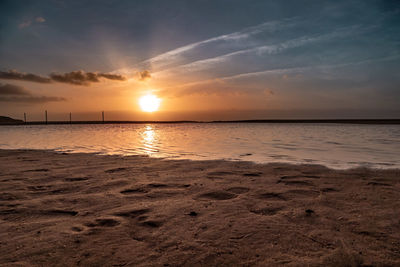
253, 174
156, 185
152, 224
115, 170
76, 229
29, 212
9, 212
138, 215
161, 186
329, 189
134, 191
37, 170
132, 213
76, 179
59, 212
290, 194
8, 197
218, 195
288, 177
312, 176
297, 182
268, 211
63, 190
104, 222
271, 196
378, 184
220, 173
148, 187
238, 190
299, 193
39, 187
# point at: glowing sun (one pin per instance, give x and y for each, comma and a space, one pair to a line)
149, 103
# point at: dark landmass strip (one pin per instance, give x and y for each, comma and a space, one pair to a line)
10, 121
339, 121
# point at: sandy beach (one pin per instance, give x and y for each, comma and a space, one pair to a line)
60, 209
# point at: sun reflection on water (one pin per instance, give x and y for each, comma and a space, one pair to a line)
149, 139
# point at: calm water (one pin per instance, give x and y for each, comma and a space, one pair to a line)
333, 145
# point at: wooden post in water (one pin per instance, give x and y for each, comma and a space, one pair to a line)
102, 114
45, 114
70, 118
24, 117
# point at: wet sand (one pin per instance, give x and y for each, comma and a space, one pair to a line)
90, 210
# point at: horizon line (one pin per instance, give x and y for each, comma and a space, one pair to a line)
340, 121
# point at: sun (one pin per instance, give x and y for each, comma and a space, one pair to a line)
149, 103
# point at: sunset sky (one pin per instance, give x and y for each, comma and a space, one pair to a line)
204, 60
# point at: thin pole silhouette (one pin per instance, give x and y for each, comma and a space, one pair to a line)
24, 117
102, 114
70, 118
45, 113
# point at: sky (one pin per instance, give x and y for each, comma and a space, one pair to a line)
205, 60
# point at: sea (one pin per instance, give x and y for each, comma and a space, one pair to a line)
337, 146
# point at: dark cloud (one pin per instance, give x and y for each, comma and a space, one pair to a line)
18, 94
144, 75
32, 99
15, 75
75, 77
84, 78
10, 89
79, 77
109, 76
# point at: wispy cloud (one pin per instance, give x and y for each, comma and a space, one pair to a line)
229, 84
29, 22
25, 24
174, 55
144, 75
40, 19
259, 51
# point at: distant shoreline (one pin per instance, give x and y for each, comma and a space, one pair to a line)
311, 121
